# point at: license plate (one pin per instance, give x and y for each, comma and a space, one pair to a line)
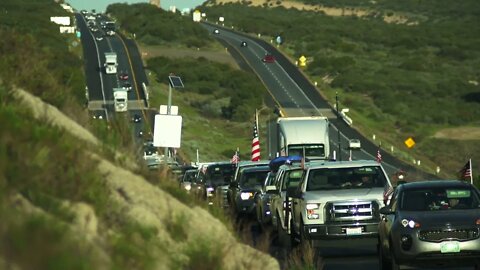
353, 231
449, 247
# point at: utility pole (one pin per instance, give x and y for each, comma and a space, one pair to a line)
338, 130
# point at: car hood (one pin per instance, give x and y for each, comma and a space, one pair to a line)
345, 194
442, 218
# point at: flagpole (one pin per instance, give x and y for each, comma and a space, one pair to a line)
471, 170
256, 122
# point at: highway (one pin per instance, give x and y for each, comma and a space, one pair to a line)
296, 96
100, 85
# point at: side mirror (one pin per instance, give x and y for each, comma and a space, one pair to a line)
386, 210
270, 189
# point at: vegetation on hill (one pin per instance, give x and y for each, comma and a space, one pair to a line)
154, 26
398, 80
68, 199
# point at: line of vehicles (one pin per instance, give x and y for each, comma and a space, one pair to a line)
307, 198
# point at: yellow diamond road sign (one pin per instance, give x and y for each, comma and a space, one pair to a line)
302, 61
409, 142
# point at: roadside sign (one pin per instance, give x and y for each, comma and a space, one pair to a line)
167, 131
302, 61
79, 34
173, 109
409, 142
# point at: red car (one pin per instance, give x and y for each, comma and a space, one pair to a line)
123, 76
268, 58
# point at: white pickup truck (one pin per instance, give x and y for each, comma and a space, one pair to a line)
338, 200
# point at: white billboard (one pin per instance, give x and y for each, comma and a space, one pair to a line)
167, 131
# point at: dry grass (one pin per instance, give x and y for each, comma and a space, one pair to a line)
458, 133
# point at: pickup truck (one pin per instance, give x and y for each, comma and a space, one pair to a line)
338, 200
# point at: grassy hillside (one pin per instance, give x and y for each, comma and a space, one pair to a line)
72, 195
399, 80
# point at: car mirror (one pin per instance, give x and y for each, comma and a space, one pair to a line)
271, 189
386, 210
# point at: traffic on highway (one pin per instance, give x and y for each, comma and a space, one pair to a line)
324, 191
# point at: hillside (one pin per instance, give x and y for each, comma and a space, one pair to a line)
72, 195
416, 77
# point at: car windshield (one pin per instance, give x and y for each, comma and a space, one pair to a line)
252, 179
437, 199
346, 178
219, 174
292, 179
189, 176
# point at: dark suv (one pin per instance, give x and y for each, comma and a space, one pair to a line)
242, 191
431, 223
213, 176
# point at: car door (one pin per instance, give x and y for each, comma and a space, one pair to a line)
276, 197
386, 221
297, 204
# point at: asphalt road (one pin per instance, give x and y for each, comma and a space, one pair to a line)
100, 85
296, 96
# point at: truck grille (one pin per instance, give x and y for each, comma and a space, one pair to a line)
348, 211
442, 235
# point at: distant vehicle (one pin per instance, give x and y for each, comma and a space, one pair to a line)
187, 179
354, 144
111, 63
243, 191
243, 44
120, 99
123, 76
99, 38
216, 31
268, 58
127, 85
301, 136
84, 11
94, 29
431, 224
212, 177
110, 33
263, 199
136, 118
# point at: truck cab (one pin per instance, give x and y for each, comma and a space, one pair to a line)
111, 63
120, 99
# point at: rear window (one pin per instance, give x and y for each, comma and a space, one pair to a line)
292, 179
253, 178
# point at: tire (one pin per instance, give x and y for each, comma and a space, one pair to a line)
383, 262
283, 237
293, 235
393, 261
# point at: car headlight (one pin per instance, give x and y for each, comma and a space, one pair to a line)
188, 187
313, 210
246, 195
410, 223
210, 189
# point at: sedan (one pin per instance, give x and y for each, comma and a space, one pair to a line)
354, 144
127, 85
216, 31
136, 118
123, 76
243, 44
431, 224
268, 58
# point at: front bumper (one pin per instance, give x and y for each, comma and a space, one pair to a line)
364, 229
245, 206
424, 253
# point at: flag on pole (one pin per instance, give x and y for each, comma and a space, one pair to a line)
255, 143
236, 158
466, 172
379, 156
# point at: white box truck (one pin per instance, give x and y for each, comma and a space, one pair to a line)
302, 136
120, 99
111, 63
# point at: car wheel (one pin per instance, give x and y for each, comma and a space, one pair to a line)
283, 237
293, 235
382, 261
393, 263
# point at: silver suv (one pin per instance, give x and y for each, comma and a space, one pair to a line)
338, 200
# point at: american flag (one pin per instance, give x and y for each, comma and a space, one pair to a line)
379, 156
387, 194
466, 171
255, 143
236, 158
